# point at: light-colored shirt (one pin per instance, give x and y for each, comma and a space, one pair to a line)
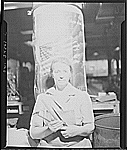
70, 99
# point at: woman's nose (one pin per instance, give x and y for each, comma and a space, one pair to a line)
61, 77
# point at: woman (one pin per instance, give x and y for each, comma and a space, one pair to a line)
63, 116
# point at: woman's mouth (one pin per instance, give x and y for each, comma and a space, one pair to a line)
61, 80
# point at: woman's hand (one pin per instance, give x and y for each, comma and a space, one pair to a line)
70, 131
55, 125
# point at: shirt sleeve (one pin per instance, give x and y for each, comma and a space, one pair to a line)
40, 112
86, 108
38, 107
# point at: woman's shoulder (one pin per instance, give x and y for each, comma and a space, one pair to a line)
79, 92
46, 96
81, 95
41, 95
50, 91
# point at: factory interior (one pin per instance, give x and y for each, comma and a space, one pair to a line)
96, 53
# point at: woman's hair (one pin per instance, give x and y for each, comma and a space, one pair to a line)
62, 60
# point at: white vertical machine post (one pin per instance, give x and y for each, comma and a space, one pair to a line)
58, 31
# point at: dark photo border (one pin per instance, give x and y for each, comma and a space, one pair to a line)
123, 100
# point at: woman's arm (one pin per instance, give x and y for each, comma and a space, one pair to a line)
88, 116
86, 129
39, 132
40, 125
88, 119
74, 130
37, 128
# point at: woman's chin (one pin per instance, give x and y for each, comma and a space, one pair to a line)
61, 85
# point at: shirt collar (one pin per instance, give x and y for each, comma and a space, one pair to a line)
69, 90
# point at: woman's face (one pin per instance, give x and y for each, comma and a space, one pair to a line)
61, 74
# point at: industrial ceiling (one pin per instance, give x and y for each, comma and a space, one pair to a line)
102, 28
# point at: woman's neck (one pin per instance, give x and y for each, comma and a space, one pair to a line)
60, 88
